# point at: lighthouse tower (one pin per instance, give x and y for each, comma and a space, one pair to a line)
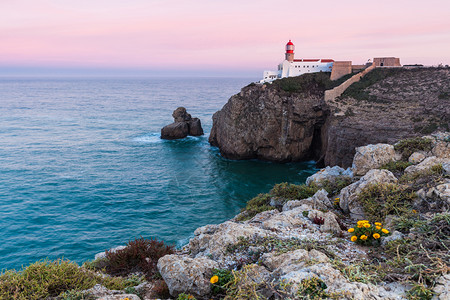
290, 51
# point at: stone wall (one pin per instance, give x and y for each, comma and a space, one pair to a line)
387, 62
341, 68
337, 91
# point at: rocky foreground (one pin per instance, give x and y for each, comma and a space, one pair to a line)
287, 246
289, 120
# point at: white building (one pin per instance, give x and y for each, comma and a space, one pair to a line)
294, 67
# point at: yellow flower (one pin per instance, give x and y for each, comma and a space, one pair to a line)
376, 236
360, 225
385, 230
377, 223
363, 237
214, 279
351, 230
337, 199
353, 238
367, 225
414, 211
378, 227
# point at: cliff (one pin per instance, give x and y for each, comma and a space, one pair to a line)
289, 120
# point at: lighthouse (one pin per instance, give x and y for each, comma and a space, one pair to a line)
290, 51
295, 67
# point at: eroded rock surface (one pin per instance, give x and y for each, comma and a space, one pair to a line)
182, 126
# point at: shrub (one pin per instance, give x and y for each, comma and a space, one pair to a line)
256, 205
313, 82
291, 191
184, 296
409, 146
334, 187
140, 255
419, 292
396, 166
283, 192
219, 280
243, 286
312, 288
380, 200
367, 234
45, 279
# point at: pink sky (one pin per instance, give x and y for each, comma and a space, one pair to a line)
216, 35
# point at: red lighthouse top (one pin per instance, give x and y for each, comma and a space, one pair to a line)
290, 47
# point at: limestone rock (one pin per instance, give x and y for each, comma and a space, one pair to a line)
215, 242
195, 127
267, 124
335, 281
175, 131
372, 157
425, 165
348, 196
187, 275
180, 115
183, 126
102, 255
417, 157
441, 145
442, 288
330, 223
328, 174
102, 293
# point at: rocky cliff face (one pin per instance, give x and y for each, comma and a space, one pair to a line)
268, 123
289, 120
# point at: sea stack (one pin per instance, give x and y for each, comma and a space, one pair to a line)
182, 126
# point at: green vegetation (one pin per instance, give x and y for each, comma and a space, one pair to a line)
380, 200
140, 255
357, 89
312, 288
220, 280
420, 292
244, 286
306, 83
422, 257
425, 178
277, 245
409, 146
283, 192
360, 271
184, 296
444, 95
396, 166
334, 186
368, 234
45, 279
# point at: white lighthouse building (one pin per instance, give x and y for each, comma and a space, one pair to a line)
294, 67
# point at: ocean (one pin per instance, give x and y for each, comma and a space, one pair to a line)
82, 167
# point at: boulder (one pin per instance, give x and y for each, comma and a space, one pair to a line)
417, 157
178, 130
442, 288
328, 174
213, 241
441, 145
336, 283
372, 157
330, 223
180, 115
195, 127
183, 274
349, 195
426, 165
183, 126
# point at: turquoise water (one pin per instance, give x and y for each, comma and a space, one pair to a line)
82, 167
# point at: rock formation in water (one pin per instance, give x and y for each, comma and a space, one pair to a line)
182, 126
288, 120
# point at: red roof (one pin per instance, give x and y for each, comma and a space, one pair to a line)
290, 43
315, 60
